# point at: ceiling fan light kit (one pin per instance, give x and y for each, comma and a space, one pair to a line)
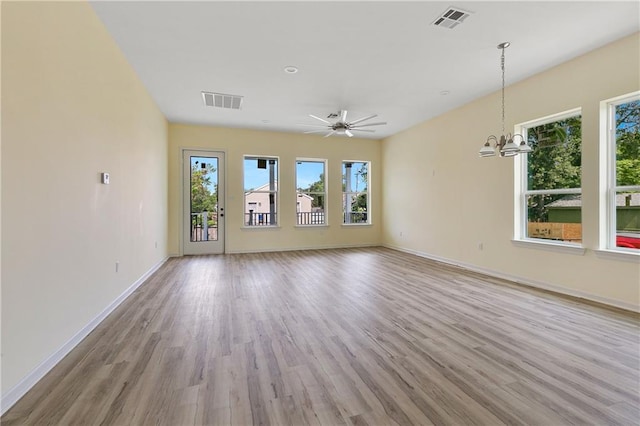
504, 145
342, 126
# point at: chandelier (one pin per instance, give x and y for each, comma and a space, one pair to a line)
505, 145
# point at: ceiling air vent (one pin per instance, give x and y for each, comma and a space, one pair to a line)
220, 100
451, 18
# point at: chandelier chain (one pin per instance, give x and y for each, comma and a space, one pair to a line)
502, 67
506, 144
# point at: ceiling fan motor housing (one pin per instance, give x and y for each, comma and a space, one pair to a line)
340, 126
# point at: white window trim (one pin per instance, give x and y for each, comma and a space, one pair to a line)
521, 192
607, 177
550, 245
267, 157
621, 253
326, 191
369, 221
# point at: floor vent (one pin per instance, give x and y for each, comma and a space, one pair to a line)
451, 18
220, 100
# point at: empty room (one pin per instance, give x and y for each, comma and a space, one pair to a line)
319, 212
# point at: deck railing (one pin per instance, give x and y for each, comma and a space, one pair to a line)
260, 219
311, 218
204, 226
355, 217
303, 218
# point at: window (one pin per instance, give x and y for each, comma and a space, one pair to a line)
260, 191
355, 192
311, 192
623, 173
550, 180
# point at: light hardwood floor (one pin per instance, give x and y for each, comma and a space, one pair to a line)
353, 336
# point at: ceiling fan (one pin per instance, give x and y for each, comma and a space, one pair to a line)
342, 126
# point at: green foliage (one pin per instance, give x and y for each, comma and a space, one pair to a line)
362, 175
556, 158
313, 189
360, 203
628, 144
204, 195
317, 186
628, 172
554, 163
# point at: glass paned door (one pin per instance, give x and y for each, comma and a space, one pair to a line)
203, 205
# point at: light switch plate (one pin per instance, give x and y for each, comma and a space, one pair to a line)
105, 178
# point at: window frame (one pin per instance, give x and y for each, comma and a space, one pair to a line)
368, 193
521, 192
325, 164
276, 192
609, 187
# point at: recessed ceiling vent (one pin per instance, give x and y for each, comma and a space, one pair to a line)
451, 18
220, 100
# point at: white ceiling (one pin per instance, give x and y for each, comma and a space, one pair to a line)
366, 57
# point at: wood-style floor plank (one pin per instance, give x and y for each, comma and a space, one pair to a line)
343, 337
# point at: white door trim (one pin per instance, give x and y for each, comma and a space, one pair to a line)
218, 246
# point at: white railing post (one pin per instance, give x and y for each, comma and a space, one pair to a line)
205, 226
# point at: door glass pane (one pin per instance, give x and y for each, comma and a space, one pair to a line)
204, 199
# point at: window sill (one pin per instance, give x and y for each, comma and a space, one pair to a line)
348, 225
246, 227
312, 226
627, 256
551, 246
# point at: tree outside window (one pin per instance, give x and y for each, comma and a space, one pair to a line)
355, 195
311, 192
204, 191
624, 174
552, 190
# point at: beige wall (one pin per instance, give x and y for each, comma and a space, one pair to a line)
72, 107
236, 143
466, 200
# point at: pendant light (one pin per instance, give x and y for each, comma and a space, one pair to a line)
505, 145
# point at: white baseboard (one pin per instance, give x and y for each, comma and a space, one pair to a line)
316, 247
522, 280
19, 390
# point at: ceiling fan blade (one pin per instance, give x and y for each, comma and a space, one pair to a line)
329, 134
363, 119
363, 130
315, 131
314, 125
318, 118
348, 133
343, 117
370, 124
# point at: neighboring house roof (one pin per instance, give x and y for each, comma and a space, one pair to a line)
301, 195
264, 187
576, 201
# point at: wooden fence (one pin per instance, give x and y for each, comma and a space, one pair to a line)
555, 231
